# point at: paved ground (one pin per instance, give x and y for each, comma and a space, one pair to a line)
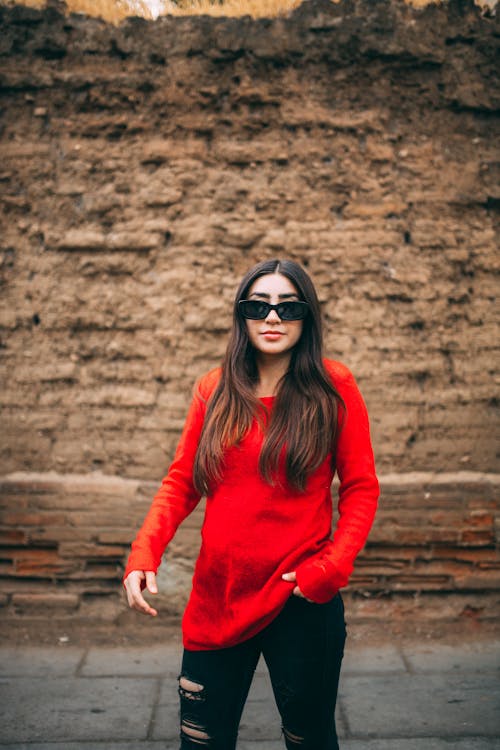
427, 696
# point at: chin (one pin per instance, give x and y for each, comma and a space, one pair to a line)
273, 349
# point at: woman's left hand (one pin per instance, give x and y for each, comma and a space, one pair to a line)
297, 592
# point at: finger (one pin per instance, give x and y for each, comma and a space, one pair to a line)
134, 595
151, 582
133, 585
289, 576
141, 605
298, 592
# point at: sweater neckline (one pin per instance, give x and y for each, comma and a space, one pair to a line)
267, 398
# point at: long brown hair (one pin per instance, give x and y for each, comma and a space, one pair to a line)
304, 416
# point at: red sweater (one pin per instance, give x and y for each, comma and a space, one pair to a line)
253, 533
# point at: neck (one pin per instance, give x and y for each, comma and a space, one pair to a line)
271, 369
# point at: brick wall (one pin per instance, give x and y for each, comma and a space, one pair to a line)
145, 167
64, 539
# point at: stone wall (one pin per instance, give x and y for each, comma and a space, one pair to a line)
145, 167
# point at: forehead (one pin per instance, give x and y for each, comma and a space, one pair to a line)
273, 284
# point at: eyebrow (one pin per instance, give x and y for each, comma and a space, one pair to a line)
268, 296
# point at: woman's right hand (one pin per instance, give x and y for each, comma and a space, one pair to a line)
133, 588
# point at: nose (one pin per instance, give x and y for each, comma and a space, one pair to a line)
273, 317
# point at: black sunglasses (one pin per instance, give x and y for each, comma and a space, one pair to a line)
256, 309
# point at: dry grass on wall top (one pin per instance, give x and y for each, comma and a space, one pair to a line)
262, 8
113, 11
116, 11
254, 8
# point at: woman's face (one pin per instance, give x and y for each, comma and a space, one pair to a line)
273, 336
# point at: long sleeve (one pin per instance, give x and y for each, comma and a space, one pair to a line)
320, 576
177, 496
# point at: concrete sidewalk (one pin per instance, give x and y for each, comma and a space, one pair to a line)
426, 696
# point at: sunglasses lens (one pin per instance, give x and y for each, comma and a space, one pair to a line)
254, 309
292, 310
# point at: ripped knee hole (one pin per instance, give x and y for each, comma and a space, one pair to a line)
191, 690
293, 737
195, 732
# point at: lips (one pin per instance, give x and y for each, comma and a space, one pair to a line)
272, 335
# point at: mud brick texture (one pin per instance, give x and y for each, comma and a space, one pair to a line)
145, 167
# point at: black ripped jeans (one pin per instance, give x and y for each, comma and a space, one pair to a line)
302, 647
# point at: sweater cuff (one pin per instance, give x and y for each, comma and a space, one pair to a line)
319, 579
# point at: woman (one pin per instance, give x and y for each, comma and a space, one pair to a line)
262, 440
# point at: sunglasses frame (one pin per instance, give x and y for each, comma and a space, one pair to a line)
304, 306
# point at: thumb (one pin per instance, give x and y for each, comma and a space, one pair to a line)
151, 582
289, 576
